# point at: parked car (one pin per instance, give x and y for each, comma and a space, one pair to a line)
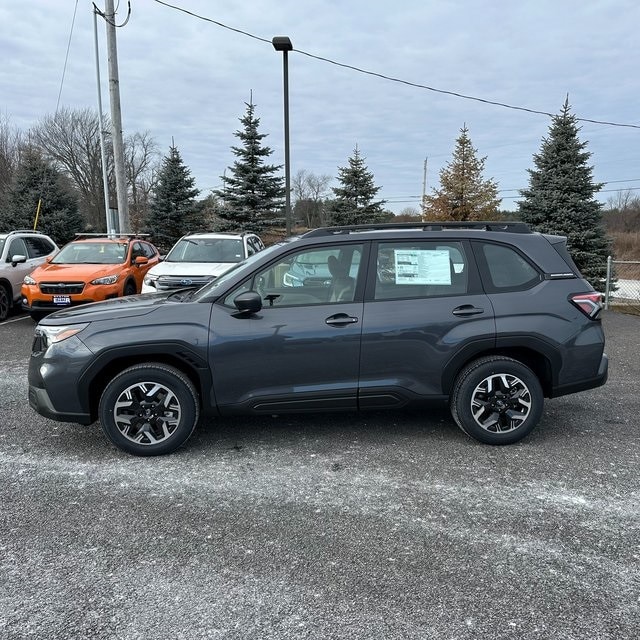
89, 269
198, 258
21, 252
489, 317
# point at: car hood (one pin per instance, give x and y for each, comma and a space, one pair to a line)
74, 272
210, 269
128, 307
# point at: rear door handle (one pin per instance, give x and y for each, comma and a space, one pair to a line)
341, 319
467, 310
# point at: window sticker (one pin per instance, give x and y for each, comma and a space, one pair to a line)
419, 266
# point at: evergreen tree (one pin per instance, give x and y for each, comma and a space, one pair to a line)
253, 195
173, 207
463, 194
36, 180
561, 200
354, 202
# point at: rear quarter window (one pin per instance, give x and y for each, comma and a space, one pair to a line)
507, 270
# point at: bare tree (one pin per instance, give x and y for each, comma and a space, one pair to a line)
11, 142
141, 159
309, 192
71, 138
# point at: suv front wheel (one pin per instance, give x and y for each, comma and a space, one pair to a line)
5, 302
497, 400
149, 409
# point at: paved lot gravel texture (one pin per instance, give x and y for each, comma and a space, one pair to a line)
380, 525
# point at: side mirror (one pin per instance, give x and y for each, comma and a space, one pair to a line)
248, 302
18, 259
140, 260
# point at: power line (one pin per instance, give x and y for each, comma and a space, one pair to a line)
64, 70
396, 80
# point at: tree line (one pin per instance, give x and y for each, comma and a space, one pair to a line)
55, 171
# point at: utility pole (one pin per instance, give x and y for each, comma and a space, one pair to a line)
424, 184
116, 118
103, 152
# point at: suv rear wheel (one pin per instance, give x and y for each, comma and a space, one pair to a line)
497, 400
149, 409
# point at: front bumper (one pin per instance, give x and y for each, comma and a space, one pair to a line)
53, 381
40, 402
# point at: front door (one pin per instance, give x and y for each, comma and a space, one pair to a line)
301, 352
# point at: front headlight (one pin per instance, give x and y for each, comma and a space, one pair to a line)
105, 280
52, 335
150, 281
29, 280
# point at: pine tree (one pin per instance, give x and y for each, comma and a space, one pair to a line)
253, 195
37, 180
561, 200
463, 194
173, 207
354, 202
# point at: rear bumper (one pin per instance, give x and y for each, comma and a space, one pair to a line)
585, 385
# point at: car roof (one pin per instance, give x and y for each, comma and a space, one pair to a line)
216, 236
101, 240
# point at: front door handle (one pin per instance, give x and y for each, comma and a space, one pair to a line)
467, 310
340, 319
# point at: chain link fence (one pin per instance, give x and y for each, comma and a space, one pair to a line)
622, 291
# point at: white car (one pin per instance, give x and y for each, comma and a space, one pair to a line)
21, 252
198, 258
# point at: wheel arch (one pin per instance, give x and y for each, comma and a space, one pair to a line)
103, 369
130, 280
539, 360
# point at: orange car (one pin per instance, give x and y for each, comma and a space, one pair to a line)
88, 270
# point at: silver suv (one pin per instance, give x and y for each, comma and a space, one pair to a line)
198, 258
21, 252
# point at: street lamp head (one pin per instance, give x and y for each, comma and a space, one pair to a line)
282, 43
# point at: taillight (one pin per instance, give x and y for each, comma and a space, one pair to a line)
589, 303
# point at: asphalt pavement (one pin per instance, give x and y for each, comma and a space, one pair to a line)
381, 525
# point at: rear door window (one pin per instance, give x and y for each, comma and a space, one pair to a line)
420, 270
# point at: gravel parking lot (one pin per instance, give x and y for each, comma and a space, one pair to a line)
380, 525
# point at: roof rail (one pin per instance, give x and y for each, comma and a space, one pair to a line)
491, 225
108, 234
24, 231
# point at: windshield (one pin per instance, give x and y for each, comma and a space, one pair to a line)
210, 289
206, 250
91, 253
1, 245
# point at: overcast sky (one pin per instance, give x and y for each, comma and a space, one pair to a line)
188, 79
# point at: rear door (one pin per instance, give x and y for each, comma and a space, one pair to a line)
425, 313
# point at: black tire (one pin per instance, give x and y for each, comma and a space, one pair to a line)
132, 402
497, 400
5, 302
130, 288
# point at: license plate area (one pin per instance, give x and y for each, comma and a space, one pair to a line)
61, 300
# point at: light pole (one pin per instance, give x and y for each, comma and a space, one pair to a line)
282, 43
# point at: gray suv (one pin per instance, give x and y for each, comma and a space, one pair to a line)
489, 317
21, 252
